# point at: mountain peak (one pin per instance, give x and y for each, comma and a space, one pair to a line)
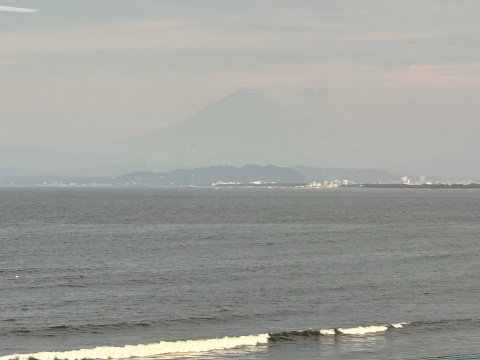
246, 98
243, 127
247, 92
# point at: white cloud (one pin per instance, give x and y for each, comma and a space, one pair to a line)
17, 9
387, 36
124, 36
350, 74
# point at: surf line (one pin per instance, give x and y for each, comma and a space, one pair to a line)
356, 331
195, 346
164, 347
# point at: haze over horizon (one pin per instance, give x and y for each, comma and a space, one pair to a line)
369, 84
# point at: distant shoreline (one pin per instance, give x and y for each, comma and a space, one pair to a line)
423, 186
299, 186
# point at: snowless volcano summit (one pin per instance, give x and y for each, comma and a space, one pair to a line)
242, 128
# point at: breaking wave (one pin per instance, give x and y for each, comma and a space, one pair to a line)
197, 346
164, 347
357, 331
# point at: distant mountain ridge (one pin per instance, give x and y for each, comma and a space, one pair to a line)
181, 177
214, 174
206, 176
242, 128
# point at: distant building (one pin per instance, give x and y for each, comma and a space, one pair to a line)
329, 184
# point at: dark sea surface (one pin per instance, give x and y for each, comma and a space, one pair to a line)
239, 273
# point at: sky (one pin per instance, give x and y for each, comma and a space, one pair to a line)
389, 84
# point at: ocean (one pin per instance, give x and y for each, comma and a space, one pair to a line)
232, 273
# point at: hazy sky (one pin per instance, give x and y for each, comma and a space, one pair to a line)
392, 80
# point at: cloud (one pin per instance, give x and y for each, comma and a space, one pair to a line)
7, 61
454, 75
152, 25
351, 74
175, 35
17, 9
388, 36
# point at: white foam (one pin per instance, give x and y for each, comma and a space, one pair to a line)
363, 330
163, 347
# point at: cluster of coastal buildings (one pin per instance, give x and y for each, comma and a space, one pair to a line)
404, 181
329, 184
423, 181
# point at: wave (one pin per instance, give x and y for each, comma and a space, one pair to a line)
197, 346
164, 347
356, 331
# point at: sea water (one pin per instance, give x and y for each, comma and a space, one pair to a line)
205, 273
